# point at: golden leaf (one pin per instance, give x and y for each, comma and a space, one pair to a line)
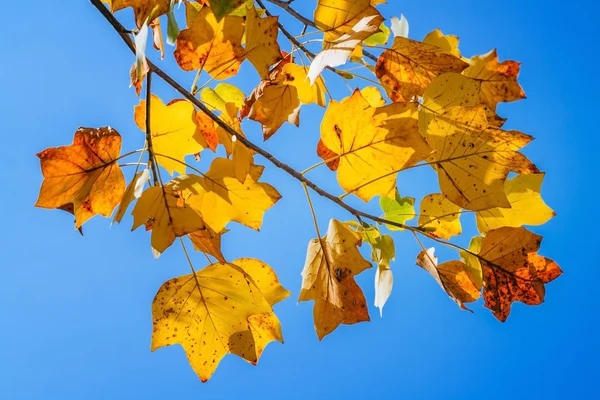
451, 276
217, 311
498, 81
440, 216
215, 47
409, 67
164, 211
328, 279
373, 144
262, 49
174, 131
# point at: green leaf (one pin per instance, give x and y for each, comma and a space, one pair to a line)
379, 38
399, 209
221, 8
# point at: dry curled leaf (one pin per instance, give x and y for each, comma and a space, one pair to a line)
331, 264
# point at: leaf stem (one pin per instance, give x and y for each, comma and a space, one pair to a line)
151, 158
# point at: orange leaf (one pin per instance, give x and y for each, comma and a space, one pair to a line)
83, 177
513, 271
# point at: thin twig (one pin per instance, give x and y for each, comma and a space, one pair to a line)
151, 157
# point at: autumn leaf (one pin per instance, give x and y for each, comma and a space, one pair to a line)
440, 216
223, 93
373, 144
209, 242
472, 158
296, 75
383, 252
132, 192
451, 276
526, 205
261, 48
165, 211
408, 67
399, 209
84, 177
512, 269
472, 263
338, 51
142, 9
222, 8
337, 17
447, 43
211, 45
173, 130
210, 314
274, 105
498, 81
221, 198
373, 96
328, 279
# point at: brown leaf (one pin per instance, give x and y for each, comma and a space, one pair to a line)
513, 271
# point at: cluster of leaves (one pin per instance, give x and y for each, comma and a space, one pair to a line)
441, 113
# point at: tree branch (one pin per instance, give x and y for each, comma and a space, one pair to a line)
307, 22
268, 156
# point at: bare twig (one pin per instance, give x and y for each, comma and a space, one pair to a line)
151, 156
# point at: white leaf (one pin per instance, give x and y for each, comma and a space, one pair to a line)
337, 52
140, 49
400, 26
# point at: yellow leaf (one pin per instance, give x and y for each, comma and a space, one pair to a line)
440, 216
209, 242
210, 314
133, 191
473, 159
337, 17
373, 144
265, 327
243, 160
498, 81
222, 94
472, 264
513, 271
265, 279
373, 96
220, 197
409, 67
142, 9
274, 105
526, 205
215, 47
165, 211
173, 130
451, 276
328, 279
262, 49
83, 178
296, 75
447, 43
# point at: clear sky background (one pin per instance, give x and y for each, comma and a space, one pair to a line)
76, 316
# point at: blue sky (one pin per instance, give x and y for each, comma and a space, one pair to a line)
76, 319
